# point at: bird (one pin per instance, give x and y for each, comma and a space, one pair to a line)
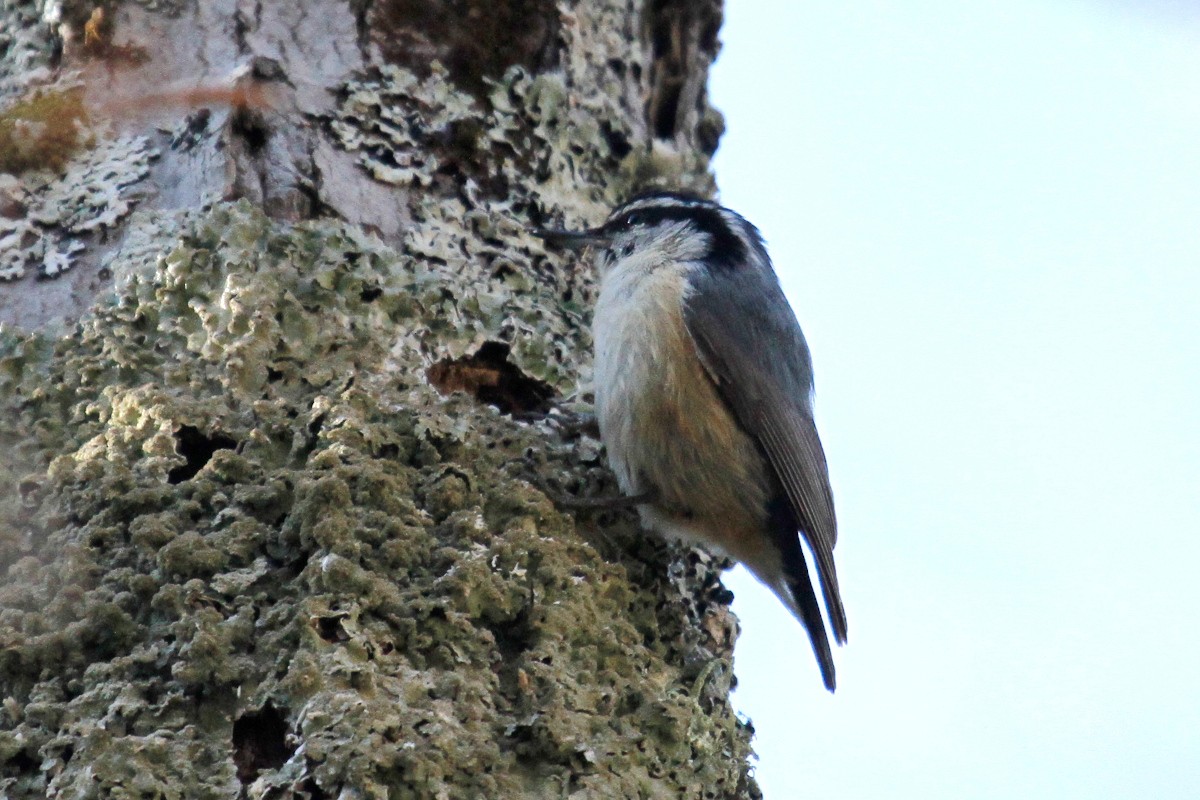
704, 397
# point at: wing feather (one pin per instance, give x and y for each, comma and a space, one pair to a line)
761, 366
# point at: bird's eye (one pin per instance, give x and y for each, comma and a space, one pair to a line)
632, 219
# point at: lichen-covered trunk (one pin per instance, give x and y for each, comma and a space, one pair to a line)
280, 384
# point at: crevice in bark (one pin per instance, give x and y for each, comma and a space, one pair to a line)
675, 31
241, 27
489, 377
413, 33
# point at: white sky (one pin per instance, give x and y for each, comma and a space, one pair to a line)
987, 216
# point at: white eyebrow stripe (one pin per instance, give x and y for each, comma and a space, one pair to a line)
661, 202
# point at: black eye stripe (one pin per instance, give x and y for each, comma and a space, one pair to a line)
726, 248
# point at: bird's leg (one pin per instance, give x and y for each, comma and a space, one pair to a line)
569, 423
564, 501
600, 503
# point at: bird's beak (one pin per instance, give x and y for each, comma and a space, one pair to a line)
571, 240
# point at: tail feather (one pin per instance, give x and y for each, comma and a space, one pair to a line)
833, 595
795, 588
804, 606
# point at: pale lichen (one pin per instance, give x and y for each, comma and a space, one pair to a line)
531, 146
391, 119
498, 289
16, 236
62, 211
26, 40
93, 192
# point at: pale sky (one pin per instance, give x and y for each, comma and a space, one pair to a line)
987, 217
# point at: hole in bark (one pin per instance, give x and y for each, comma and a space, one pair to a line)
330, 628
251, 127
513, 636
23, 764
197, 449
27, 487
617, 141
314, 792
260, 742
491, 378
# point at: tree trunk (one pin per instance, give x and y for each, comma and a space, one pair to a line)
279, 383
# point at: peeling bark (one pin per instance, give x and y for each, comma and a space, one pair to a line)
276, 356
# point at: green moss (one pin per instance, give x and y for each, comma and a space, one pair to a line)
366, 556
42, 131
230, 488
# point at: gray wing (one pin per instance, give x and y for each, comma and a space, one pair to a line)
751, 344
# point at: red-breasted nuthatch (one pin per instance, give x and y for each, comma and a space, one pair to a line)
704, 389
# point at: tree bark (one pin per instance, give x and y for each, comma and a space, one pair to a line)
281, 373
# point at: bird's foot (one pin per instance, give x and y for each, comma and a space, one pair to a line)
610, 503
569, 423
